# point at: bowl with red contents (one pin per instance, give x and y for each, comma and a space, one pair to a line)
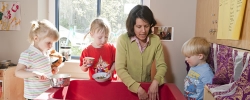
101, 76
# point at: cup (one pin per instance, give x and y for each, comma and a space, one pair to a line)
89, 61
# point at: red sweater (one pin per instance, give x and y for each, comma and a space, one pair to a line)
104, 58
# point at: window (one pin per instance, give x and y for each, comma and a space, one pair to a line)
74, 17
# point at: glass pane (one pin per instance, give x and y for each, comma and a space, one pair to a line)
75, 17
116, 11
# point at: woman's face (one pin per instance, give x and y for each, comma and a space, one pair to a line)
141, 29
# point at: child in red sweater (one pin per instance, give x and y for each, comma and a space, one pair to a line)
103, 52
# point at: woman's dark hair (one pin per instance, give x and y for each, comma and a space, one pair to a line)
142, 12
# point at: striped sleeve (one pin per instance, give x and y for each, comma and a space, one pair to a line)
24, 59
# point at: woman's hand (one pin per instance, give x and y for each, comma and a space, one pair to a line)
153, 91
142, 95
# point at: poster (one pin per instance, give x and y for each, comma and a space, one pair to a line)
10, 17
231, 13
165, 33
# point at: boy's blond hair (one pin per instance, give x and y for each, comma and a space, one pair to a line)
195, 46
98, 25
42, 29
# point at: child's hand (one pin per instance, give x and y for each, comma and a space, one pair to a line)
39, 75
84, 63
55, 70
110, 72
88, 61
84, 66
42, 77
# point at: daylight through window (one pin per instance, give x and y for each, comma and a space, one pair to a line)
75, 17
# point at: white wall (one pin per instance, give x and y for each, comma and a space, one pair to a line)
180, 14
12, 43
43, 9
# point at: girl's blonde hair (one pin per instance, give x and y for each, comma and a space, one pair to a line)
42, 29
195, 46
98, 25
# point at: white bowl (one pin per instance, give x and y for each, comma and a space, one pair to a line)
101, 76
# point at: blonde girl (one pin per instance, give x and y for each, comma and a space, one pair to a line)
34, 63
102, 52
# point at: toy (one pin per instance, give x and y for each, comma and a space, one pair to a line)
57, 61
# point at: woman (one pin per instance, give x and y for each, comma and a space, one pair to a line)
136, 52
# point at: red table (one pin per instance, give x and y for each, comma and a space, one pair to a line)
92, 90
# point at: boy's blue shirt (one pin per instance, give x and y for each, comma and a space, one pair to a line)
195, 81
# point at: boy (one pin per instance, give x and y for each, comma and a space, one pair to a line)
196, 51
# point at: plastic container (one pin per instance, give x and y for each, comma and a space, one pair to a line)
66, 52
